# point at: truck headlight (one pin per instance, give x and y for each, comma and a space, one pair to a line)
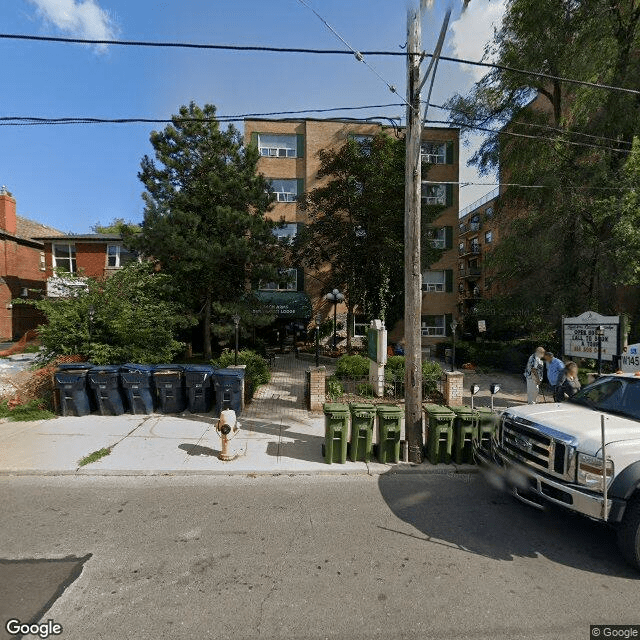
590, 472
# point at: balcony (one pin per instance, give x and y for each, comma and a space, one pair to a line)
472, 250
471, 272
61, 287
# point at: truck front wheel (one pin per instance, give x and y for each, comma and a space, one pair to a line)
629, 532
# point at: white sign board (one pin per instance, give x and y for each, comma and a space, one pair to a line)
580, 338
630, 359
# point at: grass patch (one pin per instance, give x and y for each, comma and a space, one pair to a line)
30, 411
95, 456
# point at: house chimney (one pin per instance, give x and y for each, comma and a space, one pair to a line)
7, 212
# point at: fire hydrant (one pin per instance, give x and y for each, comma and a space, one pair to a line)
228, 428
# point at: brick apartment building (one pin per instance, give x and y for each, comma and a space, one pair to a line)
22, 268
94, 255
477, 235
289, 158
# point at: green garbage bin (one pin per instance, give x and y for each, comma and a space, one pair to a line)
336, 431
363, 416
389, 423
439, 433
487, 425
465, 429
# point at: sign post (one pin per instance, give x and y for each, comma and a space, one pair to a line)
377, 352
590, 335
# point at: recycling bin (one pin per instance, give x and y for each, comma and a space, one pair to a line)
104, 380
137, 383
336, 431
363, 417
487, 425
168, 380
389, 424
197, 380
71, 385
465, 429
227, 384
439, 433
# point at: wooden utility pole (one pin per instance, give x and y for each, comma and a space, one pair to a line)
412, 266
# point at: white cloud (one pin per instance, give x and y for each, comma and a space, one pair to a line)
474, 29
79, 18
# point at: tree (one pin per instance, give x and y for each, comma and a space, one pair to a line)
117, 225
356, 226
204, 219
573, 141
128, 317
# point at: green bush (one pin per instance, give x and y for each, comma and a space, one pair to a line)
335, 389
365, 389
352, 367
32, 410
256, 373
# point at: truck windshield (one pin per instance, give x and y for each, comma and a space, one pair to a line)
620, 396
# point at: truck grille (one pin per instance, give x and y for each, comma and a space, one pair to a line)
535, 448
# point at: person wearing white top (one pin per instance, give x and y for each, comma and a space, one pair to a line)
533, 374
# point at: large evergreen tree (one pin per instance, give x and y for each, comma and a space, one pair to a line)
573, 141
204, 219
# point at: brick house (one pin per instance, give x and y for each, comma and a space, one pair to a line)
289, 158
22, 268
94, 255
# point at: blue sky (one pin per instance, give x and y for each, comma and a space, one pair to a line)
72, 176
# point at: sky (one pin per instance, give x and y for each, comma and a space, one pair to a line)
73, 176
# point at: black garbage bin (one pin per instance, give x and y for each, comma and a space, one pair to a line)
104, 381
228, 387
137, 383
168, 380
197, 380
71, 384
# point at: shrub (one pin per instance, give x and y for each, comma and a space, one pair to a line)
256, 373
352, 367
335, 389
365, 389
32, 410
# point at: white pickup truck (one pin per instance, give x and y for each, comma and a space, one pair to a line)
582, 454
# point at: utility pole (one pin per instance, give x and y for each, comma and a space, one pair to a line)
412, 232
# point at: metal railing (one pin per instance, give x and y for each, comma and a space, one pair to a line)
480, 201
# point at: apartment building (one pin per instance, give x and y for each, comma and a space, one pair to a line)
289, 159
22, 269
477, 235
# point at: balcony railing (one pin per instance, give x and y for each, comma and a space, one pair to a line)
474, 249
471, 272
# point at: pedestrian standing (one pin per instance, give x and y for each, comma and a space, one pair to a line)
570, 384
533, 374
555, 372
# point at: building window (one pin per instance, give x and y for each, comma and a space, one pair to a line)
438, 238
489, 212
434, 194
360, 325
434, 152
433, 280
462, 227
285, 190
488, 237
461, 266
364, 142
286, 233
43, 262
288, 281
278, 146
474, 225
118, 256
475, 245
64, 257
433, 325
461, 248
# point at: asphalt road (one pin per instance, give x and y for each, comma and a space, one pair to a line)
396, 556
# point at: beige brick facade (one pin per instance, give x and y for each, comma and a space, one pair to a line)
315, 135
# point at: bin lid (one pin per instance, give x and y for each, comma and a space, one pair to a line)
464, 411
438, 410
169, 367
229, 373
361, 407
486, 411
206, 368
132, 367
389, 410
106, 368
335, 407
74, 365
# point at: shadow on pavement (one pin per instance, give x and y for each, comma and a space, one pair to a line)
198, 450
463, 512
304, 446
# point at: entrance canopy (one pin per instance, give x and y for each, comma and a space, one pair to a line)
290, 305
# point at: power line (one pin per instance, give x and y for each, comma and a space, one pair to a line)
305, 50
544, 126
528, 136
528, 186
358, 54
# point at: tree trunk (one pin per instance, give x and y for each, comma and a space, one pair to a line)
206, 329
349, 324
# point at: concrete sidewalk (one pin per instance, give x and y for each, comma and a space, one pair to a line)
278, 436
